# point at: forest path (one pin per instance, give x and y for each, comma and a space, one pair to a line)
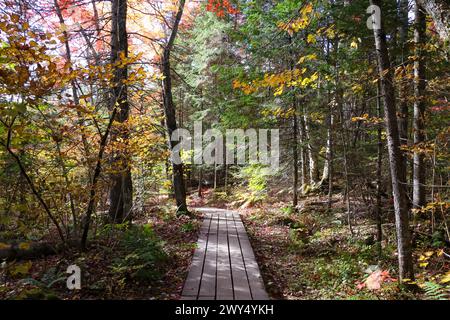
224, 265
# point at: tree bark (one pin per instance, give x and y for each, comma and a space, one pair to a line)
303, 154
419, 107
200, 179
215, 176
403, 117
312, 161
295, 157
439, 10
395, 157
328, 165
170, 112
225, 184
295, 131
121, 192
378, 213
330, 157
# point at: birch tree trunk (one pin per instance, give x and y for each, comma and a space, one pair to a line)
403, 117
419, 107
395, 156
439, 10
312, 161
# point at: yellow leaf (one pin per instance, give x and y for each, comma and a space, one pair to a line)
24, 246
446, 278
279, 91
311, 39
307, 57
429, 253
4, 246
422, 258
357, 88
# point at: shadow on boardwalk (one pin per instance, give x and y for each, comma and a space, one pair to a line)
224, 265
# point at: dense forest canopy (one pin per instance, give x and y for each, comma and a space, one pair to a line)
93, 91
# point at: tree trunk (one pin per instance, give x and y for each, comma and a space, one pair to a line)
403, 117
295, 158
121, 191
378, 212
303, 155
225, 184
439, 10
170, 112
95, 177
295, 132
215, 176
312, 161
330, 159
419, 107
345, 139
328, 166
395, 156
200, 178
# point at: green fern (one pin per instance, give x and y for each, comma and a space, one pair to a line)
435, 291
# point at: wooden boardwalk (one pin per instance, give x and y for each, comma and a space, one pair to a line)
224, 265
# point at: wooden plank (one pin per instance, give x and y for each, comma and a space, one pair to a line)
240, 282
224, 282
192, 284
240, 226
254, 276
208, 282
224, 265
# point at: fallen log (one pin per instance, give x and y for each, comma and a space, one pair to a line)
32, 250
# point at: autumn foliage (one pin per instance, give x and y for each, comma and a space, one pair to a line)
221, 7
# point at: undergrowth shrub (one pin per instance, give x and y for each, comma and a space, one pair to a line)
436, 291
145, 257
257, 177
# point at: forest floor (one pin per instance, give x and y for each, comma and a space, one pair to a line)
308, 254
150, 260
